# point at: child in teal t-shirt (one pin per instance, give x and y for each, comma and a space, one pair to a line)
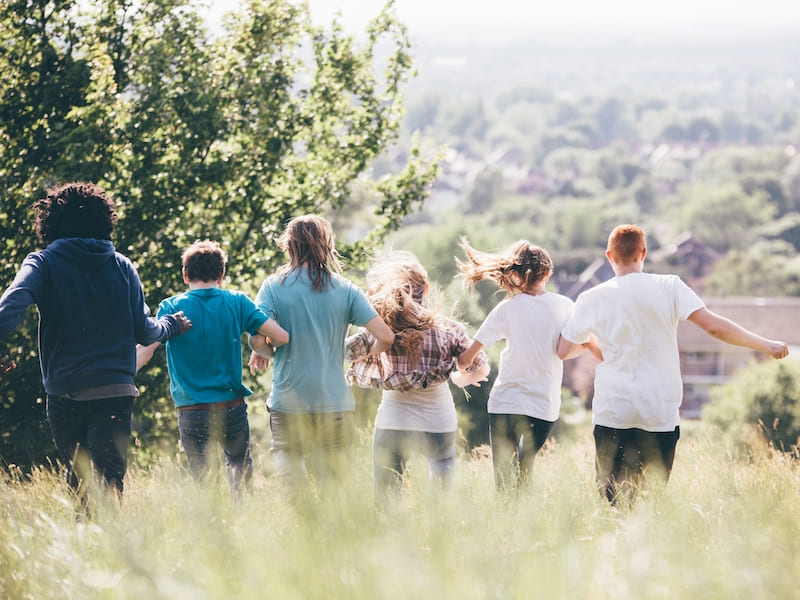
311, 406
205, 370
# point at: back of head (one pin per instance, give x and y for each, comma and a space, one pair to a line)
625, 243
517, 269
397, 284
204, 261
75, 210
308, 239
398, 271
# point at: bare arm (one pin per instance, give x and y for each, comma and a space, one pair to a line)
144, 354
730, 332
384, 337
467, 356
276, 334
465, 378
567, 349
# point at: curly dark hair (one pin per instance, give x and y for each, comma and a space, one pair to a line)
204, 261
75, 210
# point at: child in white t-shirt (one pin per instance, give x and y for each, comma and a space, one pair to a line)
638, 386
525, 400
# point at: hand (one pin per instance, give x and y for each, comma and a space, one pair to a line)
7, 365
777, 349
257, 363
184, 323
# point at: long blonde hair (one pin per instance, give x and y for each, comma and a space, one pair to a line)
308, 239
397, 283
518, 269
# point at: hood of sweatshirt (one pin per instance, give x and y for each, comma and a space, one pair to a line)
87, 252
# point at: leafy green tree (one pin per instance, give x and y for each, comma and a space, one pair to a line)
764, 269
791, 183
763, 399
722, 216
195, 135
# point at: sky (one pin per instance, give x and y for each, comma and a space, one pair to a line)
428, 14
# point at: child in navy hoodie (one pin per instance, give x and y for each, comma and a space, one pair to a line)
92, 313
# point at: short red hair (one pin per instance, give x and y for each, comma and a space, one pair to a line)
625, 244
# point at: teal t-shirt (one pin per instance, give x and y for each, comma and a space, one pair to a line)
308, 372
205, 363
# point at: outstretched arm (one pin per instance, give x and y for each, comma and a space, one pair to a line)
731, 332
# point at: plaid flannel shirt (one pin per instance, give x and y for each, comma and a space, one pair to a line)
392, 371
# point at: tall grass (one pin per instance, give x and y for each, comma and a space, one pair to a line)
723, 528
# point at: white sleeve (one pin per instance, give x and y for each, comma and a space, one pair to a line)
493, 327
686, 300
578, 330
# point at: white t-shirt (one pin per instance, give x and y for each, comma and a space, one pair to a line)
429, 409
529, 378
635, 319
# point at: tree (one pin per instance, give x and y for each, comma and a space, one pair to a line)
723, 216
764, 269
195, 135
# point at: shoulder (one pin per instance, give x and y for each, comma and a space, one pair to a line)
35, 259
559, 299
450, 325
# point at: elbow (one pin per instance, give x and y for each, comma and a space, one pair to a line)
387, 338
281, 339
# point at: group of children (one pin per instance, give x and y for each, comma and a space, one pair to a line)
404, 346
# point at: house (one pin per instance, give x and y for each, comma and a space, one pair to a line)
689, 257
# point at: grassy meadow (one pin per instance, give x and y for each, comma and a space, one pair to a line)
724, 528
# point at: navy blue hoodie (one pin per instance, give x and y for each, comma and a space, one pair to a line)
92, 313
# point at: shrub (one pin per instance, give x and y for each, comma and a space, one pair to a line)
760, 399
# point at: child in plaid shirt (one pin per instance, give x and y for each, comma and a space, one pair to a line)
416, 412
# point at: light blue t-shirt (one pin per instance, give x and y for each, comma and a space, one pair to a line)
308, 372
205, 363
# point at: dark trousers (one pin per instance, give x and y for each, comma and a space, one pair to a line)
201, 429
625, 457
515, 441
92, 433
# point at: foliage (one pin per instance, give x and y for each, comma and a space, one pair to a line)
722, 216
722, 529
761, 399
765, 269
224, 135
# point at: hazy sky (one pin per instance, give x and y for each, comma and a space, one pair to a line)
427, 13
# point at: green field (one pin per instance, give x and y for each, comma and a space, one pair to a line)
724, 528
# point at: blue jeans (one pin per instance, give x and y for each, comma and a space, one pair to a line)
515, 441
230, 427
391, 449
315, 444
97, 430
